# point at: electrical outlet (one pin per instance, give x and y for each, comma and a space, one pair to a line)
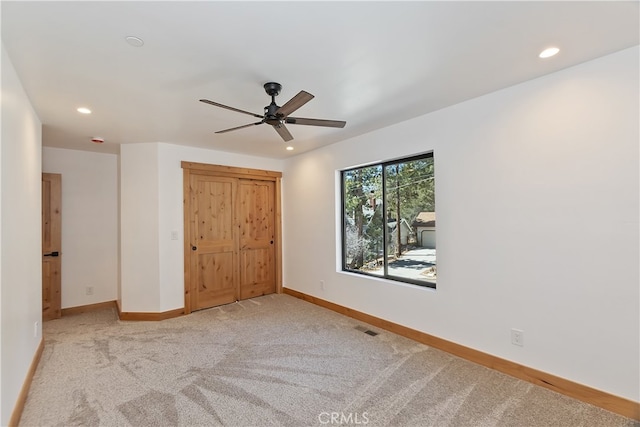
517, 337
322, 284
89, 290
35, 329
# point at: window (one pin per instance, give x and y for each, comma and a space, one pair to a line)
389, 222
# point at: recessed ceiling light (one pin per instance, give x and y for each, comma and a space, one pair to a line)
97, 140
549, 52
289, 148
83, 110
134, 41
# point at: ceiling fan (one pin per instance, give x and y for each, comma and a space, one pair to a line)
277, 116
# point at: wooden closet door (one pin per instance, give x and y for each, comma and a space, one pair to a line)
232, 231
214, 276
51, 245
256, 218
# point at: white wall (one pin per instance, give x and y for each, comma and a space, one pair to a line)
152, 208
139, 212
20, 237
89, 223
537, 196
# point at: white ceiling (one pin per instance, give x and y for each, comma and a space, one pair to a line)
371, 64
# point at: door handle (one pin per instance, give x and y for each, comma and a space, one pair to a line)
194, 248
53, 254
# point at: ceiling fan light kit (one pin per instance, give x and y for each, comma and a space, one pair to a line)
277, 116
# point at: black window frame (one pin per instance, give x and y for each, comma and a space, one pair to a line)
385, 275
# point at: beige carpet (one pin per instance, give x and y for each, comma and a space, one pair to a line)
273, 361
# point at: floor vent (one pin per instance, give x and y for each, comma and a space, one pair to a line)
366, 331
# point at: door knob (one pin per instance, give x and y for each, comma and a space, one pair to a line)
194, 248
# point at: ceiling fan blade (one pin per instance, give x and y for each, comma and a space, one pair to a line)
283, 132
239, 127
315, 122
294, 103
206, 101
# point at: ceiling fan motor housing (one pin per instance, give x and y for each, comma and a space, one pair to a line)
270, 115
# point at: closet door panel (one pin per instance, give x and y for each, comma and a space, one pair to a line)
214, 241
256, 218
